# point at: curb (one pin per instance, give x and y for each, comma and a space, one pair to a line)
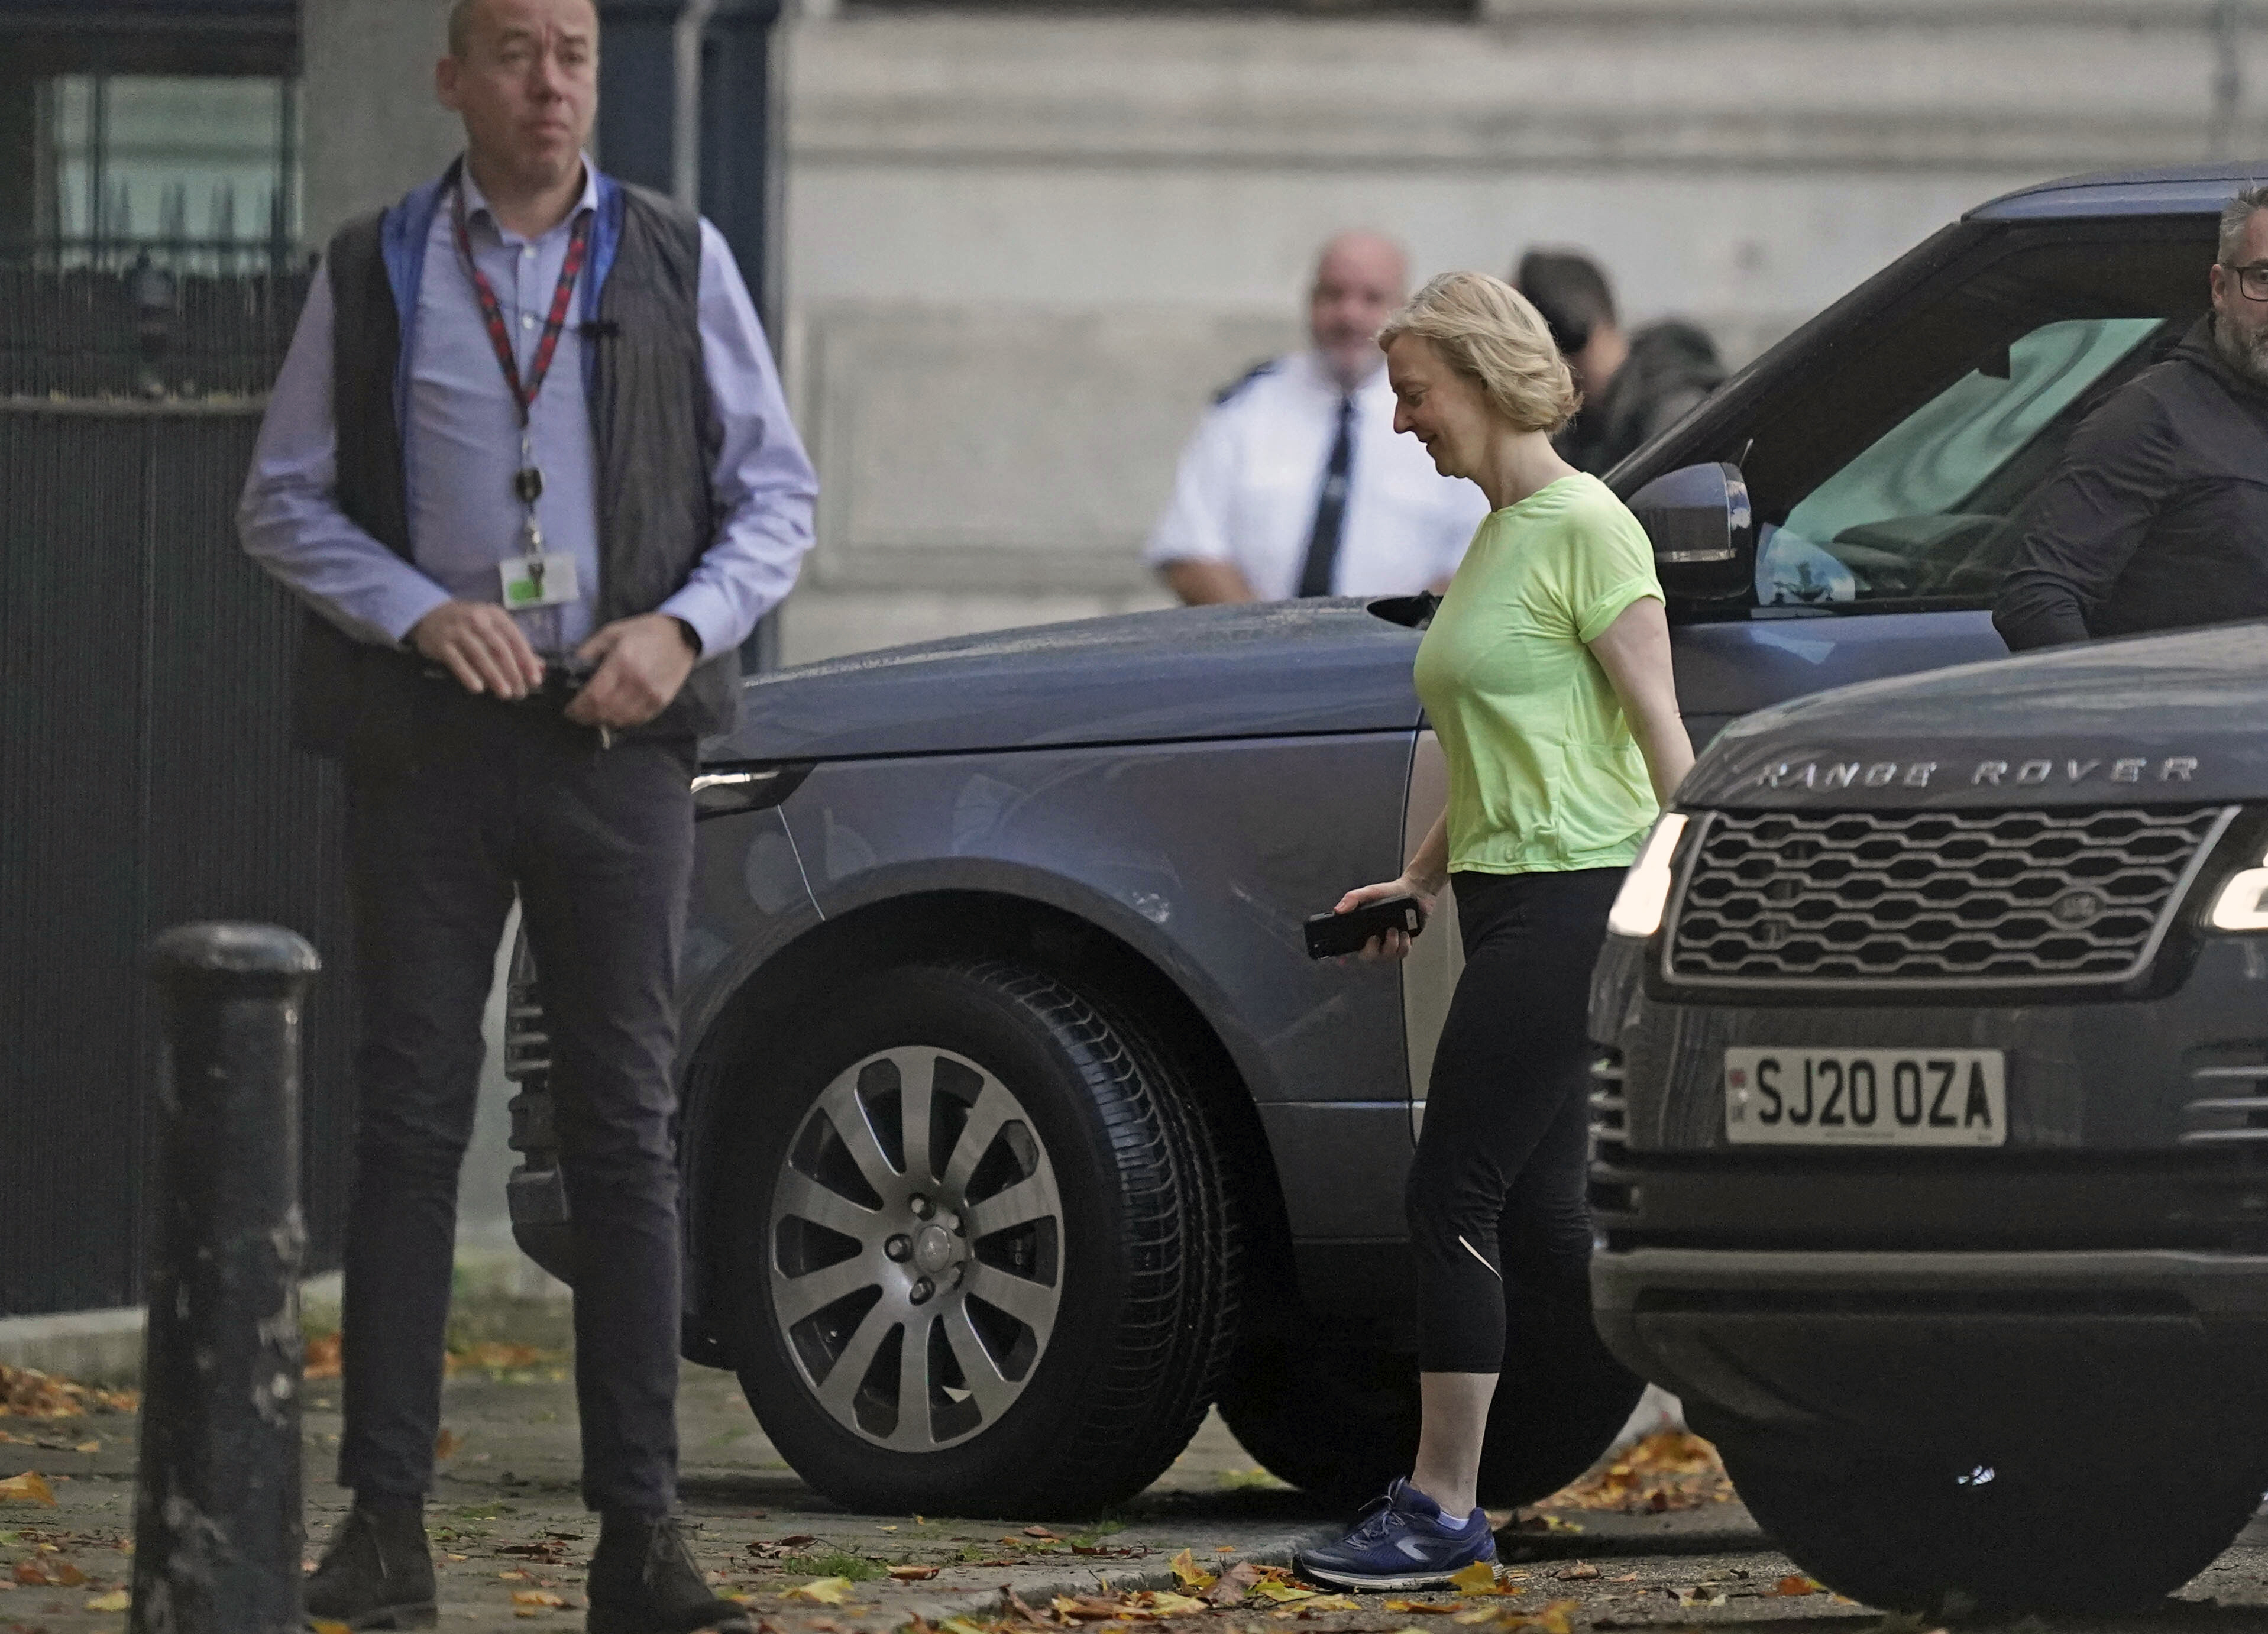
93, 1347
105, 1347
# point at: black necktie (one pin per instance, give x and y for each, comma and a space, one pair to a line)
1331, 510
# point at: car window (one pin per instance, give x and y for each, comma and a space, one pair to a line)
1918, 513
1900, 474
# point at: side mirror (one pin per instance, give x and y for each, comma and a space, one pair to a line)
1703, 532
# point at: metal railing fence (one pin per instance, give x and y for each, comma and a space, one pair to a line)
147, 778
94, 320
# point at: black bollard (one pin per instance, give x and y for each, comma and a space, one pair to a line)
218, 1530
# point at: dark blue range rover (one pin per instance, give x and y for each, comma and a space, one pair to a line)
1018, 1129
1931, 1123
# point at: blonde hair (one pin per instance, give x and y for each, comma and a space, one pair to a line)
1491, 334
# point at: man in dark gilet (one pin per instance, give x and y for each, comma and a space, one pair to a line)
529, 468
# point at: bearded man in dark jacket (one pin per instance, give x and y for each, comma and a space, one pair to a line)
1633, 385
2157, 518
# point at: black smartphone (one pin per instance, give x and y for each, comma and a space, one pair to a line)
1331, 935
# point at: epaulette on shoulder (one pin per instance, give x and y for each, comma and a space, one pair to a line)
1230, 391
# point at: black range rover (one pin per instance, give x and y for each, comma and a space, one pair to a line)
1932, 1121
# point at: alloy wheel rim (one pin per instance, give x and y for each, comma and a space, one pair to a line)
915, 1248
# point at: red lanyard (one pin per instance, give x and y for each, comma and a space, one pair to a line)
492, 311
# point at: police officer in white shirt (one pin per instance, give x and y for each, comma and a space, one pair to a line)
1295, 483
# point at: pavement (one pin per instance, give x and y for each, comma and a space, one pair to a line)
514, 1539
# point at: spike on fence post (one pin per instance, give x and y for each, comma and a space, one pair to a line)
217, 1519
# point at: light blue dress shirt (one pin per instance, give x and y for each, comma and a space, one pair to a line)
462, 446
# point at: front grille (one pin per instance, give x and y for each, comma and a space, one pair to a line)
1846, 900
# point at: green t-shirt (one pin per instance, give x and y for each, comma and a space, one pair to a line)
1544, 775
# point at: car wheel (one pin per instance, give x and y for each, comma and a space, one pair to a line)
1936, 1538
975, 1250
1342, 1420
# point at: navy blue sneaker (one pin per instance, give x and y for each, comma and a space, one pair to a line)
1400, 1542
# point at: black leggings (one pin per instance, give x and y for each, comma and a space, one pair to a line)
1497, 1213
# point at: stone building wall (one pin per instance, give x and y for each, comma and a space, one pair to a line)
1022, 250
373, 127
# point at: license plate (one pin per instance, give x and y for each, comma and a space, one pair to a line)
1865, 1098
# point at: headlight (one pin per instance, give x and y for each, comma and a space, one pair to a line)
2243, 904
1645, 888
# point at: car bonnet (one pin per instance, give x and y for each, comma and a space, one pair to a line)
1265, 670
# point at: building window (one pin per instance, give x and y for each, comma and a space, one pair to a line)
204, 168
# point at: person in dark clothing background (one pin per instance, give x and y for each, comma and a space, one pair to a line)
1632, 385
2157, 517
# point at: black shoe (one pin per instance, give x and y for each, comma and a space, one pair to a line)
644, 1582
377, 1573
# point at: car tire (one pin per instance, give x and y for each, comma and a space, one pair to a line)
1560, 1403
1341, 1420
1334, 1419
1070, 1351
2066, 1535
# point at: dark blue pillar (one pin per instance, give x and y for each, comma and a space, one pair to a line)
638, 116
739, 156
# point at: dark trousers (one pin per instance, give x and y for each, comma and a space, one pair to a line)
487, 797
1497, 1210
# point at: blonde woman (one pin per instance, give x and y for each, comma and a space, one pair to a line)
1546, 674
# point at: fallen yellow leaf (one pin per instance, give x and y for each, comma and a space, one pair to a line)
823, 1591
1175, 1605
1796, 1586
324, 1625
1423, 1608
119, 1599
26, 1393
959, 1625
1333, 1602
536, 1597
1579, 1573
31, 1487
1283, 1594
88, 1447
1541, 1523
913, 1574
1477, 1578
1191, 1574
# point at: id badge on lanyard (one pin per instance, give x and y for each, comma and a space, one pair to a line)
535, 578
